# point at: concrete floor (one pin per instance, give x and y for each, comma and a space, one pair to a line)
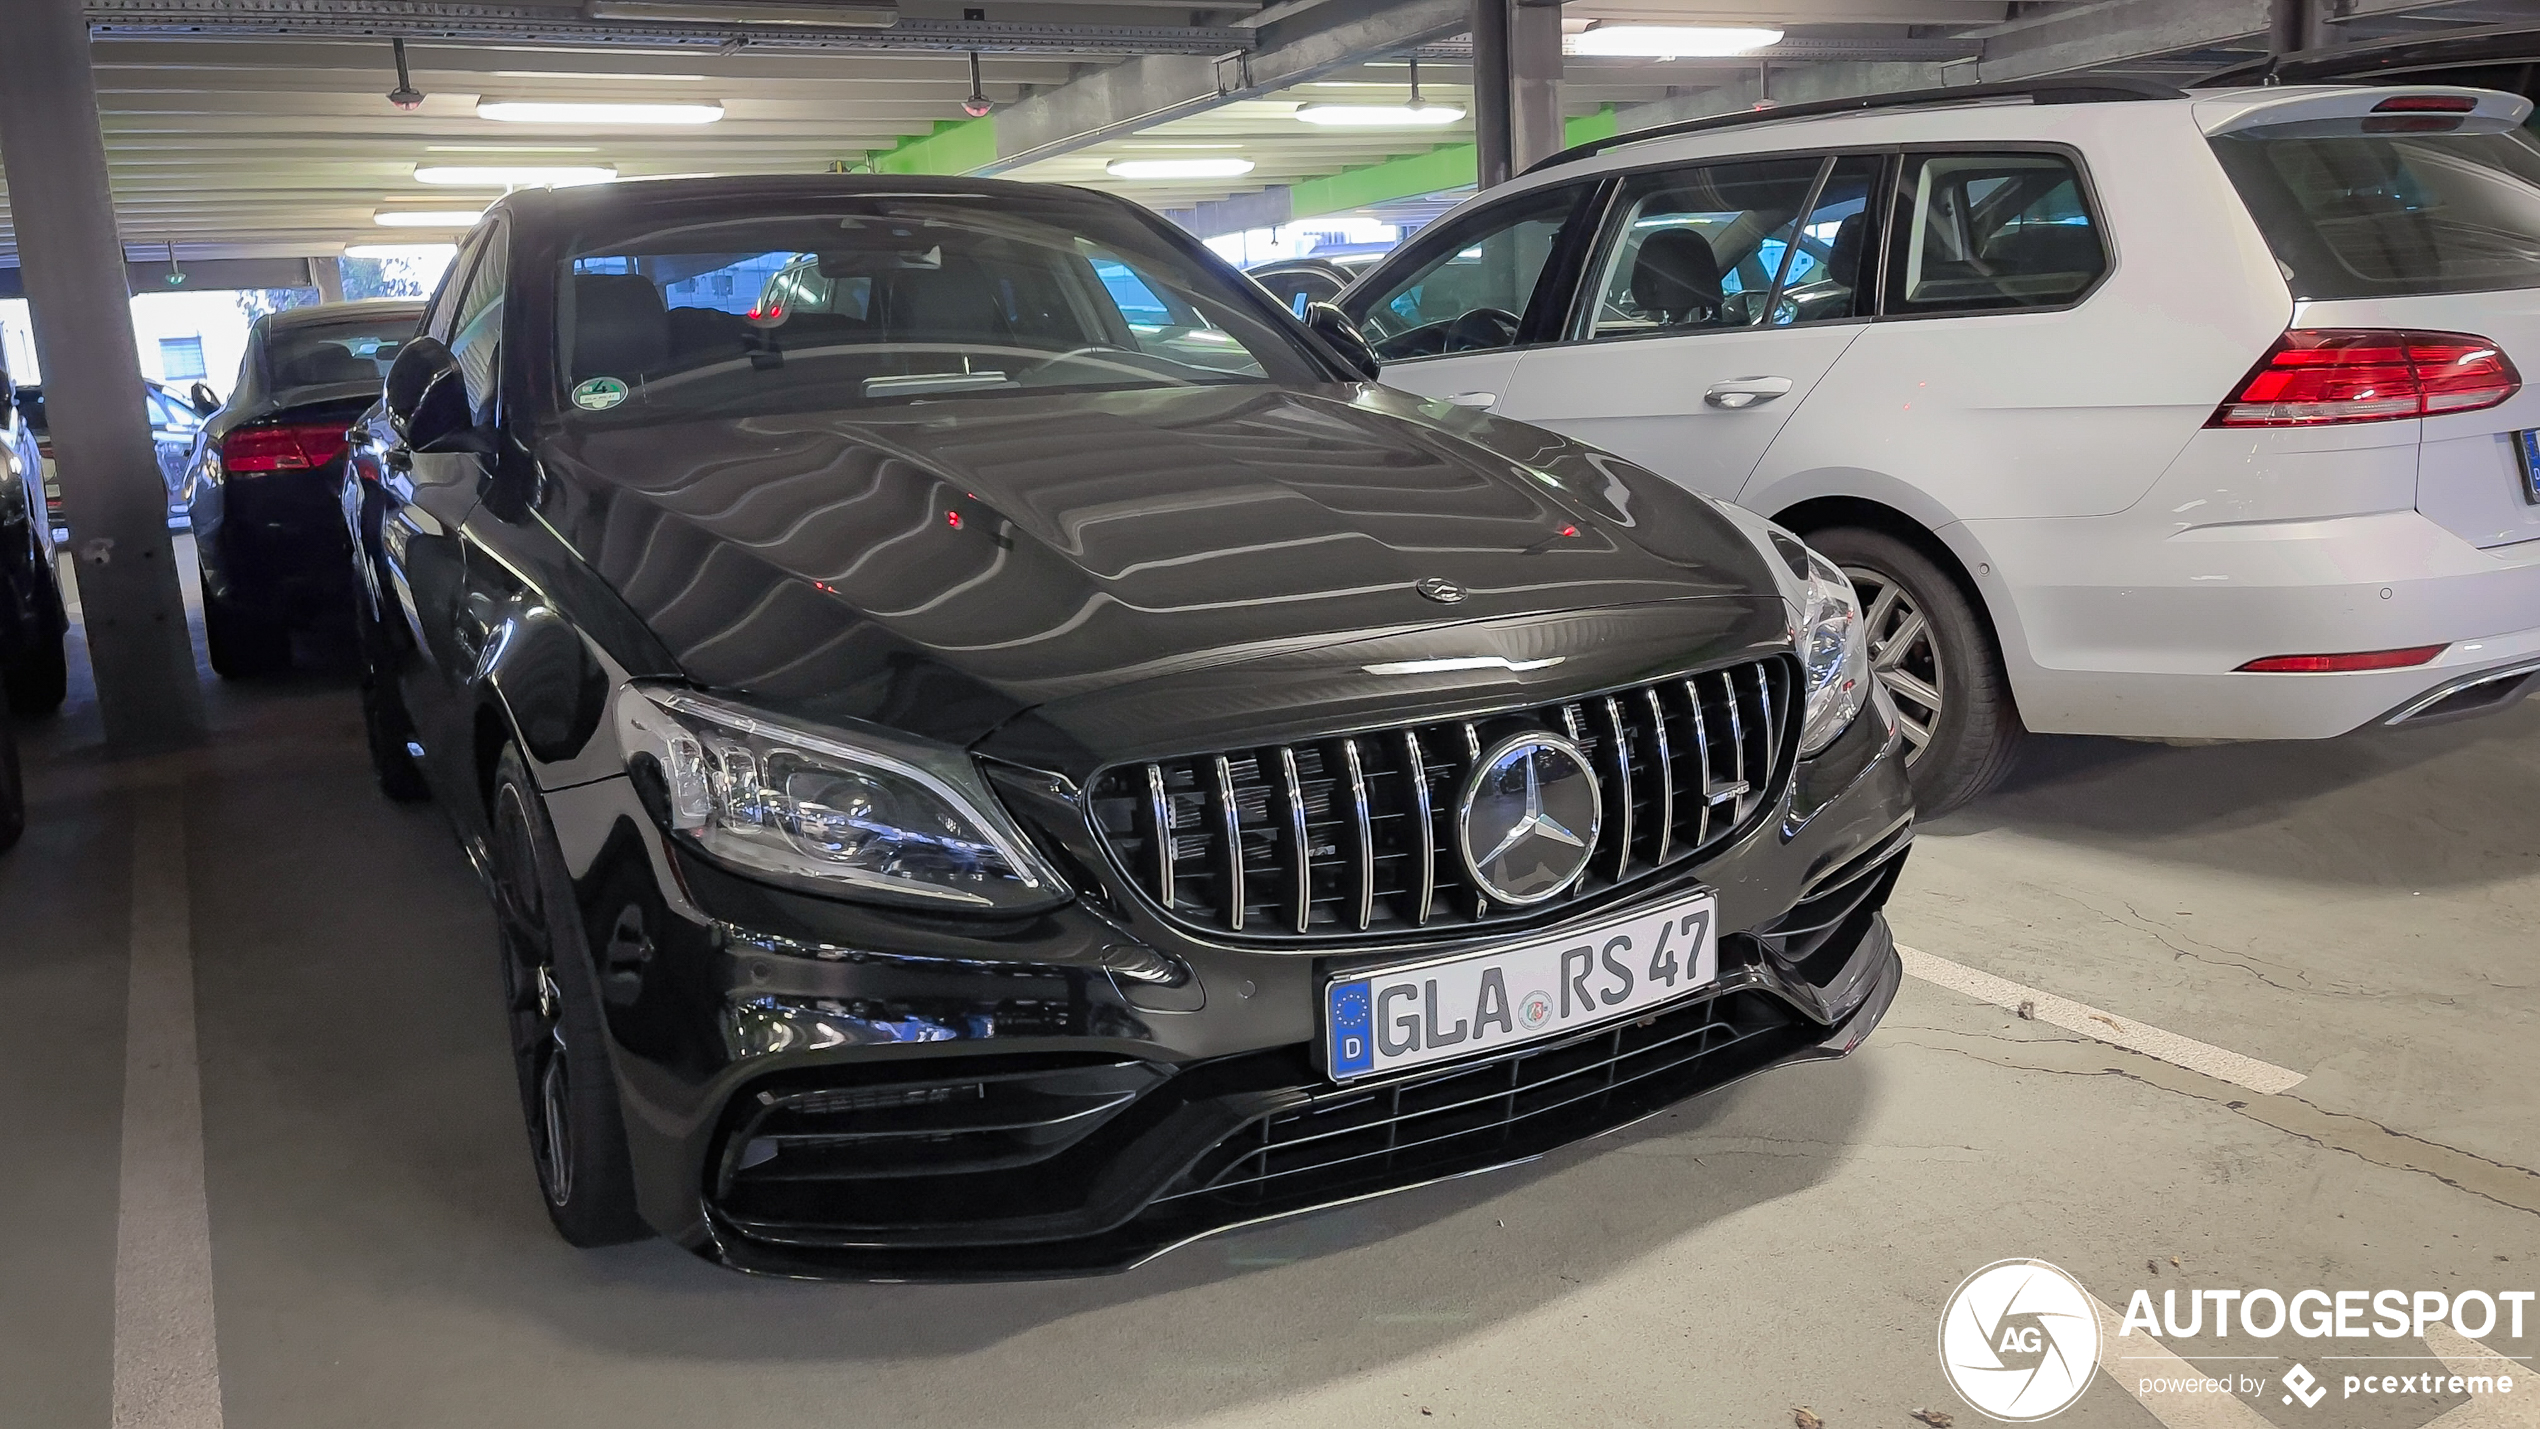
2362, 912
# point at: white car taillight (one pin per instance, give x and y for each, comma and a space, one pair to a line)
2316, 376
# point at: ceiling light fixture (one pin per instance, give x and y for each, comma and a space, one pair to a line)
1667, 42
511, 150
590, 74
539, 111
1416, 113
427, 217
1178, 168
513, 176
848, 15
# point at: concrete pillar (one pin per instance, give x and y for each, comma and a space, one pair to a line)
327, 275
1494, 85
72, 263
1534, 64
2296, 25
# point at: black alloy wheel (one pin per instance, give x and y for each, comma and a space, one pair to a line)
1935, 654
568, 1097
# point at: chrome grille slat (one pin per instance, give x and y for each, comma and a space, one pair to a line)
1300, 843
1343, 831
1666, 774
1363, 830
1160, 812
1622, 800
1424, 849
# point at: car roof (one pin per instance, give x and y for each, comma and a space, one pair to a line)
634, 198
286, 318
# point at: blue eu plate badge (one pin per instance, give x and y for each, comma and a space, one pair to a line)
2529, 443
1353, 1028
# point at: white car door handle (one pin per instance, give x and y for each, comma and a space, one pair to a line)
1742, 392
1473, 399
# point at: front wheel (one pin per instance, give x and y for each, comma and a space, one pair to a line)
1936, 655
568, 1095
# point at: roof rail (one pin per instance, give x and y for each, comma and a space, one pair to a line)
2037, 91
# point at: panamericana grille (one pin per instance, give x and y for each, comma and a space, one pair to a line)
1436, 1123
1356, 833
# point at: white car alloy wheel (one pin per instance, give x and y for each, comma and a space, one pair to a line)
1902, 655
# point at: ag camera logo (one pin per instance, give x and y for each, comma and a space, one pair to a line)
2019, 1341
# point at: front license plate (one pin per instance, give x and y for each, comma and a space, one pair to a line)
1404, 1017
2528, 443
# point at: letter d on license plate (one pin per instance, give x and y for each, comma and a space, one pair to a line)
1480, 1002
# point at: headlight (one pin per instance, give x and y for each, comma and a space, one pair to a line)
832, 812
1834, 649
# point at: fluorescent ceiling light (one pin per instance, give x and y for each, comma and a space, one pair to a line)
1667, 42
513, 176
1380, 116
427, 217
539, 111
421, 252
514, 150
1178, 168
587, 74
850, 15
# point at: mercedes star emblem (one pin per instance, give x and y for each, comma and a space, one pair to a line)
1440, 589
1528, 818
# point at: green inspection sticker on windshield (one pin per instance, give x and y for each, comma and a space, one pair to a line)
599, 394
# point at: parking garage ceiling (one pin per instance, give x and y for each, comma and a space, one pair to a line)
239, 128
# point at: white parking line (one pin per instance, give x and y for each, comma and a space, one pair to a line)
2467, 1357
2153, 1375
167, 1361
2264, 1078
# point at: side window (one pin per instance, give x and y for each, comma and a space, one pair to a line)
1469, 289
1697, 249
1987, 232
1138, 304
477, 327
1834, 254
445, 299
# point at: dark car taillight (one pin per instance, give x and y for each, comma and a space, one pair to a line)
2319, 376
290, 446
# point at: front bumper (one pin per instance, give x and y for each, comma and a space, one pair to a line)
814, 1089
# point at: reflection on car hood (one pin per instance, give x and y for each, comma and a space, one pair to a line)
941, 566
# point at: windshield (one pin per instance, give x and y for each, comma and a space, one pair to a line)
2364, 216
335, 354
900, 299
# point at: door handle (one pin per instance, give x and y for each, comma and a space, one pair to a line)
1478, 400
1739, 393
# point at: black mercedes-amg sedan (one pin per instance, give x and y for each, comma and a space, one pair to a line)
996, 750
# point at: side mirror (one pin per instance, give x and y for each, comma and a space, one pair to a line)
1337, 331
427, 401
205, 401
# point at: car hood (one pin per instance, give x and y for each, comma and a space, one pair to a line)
941, 567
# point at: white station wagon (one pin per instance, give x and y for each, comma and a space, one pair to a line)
2129, 411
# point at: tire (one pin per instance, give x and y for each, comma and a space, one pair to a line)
1938, 658
568, 1095
37, 680
12, 790
385, 724
243, 645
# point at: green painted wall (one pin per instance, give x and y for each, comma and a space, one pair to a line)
958, 146
1448, 166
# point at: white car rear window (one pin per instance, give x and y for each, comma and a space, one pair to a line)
2365, 215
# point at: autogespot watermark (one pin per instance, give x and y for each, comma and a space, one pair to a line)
2020, 1340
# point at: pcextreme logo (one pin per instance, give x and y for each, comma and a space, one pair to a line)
2019, 1341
